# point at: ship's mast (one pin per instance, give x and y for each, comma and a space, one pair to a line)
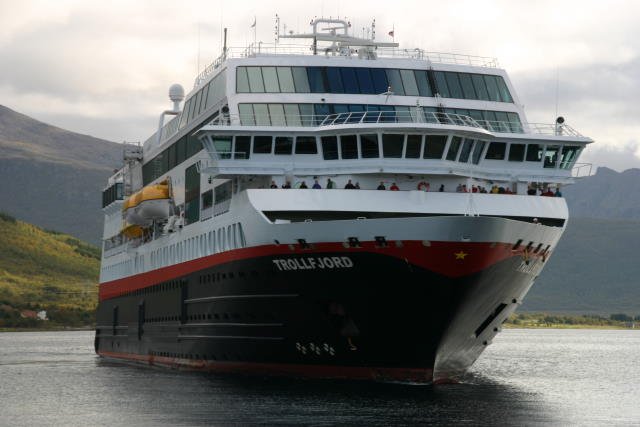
341, 42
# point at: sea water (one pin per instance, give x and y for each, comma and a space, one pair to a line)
526, 377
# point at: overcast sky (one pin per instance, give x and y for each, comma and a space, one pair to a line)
104, 67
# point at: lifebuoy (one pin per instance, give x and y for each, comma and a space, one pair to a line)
423, 186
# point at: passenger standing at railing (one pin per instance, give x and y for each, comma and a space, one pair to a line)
273, 184
286, 185
441, 189
558, 193
381, 186
394, 187
303, 186
349, 186
316, 185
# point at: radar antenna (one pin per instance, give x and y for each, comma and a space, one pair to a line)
336, 32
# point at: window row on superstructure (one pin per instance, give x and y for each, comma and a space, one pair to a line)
372, 81
374, 145
170, 157
214, 241
208, 96
275, 114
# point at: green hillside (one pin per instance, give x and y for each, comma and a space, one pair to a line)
45, 270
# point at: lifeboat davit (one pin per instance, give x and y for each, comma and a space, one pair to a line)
152, 202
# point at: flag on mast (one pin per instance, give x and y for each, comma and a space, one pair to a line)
254, 22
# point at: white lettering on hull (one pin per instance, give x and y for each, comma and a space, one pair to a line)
313, 263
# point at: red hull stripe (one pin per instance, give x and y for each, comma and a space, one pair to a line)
451, 259
304, 371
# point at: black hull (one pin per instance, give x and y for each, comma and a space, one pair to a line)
376, 316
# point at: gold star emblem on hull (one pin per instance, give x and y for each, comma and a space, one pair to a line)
461, 255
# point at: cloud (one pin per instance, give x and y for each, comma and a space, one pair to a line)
103, 68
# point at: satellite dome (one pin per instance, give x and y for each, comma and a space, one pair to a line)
176, 93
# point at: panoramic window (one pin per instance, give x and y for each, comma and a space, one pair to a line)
256, 83
424, 88
496, 151
434, 146
365, 82
242, 80
409, 83
349, 80
246, 114
261, 113
285, 78
369, 146
270, 77
222, 145
300, 79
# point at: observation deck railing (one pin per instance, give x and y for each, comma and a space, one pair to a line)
387, 117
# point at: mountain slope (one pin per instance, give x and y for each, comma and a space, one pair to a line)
594, 269
53, 177
607, 194
45, 270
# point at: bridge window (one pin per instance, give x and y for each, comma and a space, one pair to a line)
441, 84
262, 144
477, 151
496, 151
392, 145
516, 152
414, 144
242, 149
222, 144
369, 146
434, 146
534, 152
454, 147
306, 145
551, 156
569, 154
284, 145
349, 146
330, 147
466, 150
292, 115
395, 82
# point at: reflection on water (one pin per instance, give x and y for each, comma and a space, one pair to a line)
526, 377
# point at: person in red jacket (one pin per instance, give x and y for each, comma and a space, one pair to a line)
394, 187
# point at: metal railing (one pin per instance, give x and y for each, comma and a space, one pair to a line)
387, 117
581, 170
361, 117
276, 49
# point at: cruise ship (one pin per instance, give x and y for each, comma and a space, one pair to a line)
336, 208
